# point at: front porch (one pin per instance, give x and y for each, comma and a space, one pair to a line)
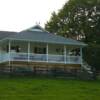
23, 51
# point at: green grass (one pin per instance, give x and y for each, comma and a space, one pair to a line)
21, 88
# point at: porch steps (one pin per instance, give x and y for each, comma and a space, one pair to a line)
86, 71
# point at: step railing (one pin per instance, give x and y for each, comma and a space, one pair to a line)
87, 67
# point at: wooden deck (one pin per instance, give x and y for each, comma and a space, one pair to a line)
40, 67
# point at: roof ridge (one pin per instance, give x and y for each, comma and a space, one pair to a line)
36, 28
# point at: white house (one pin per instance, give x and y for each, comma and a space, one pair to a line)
37, 49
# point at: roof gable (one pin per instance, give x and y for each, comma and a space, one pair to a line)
36, 28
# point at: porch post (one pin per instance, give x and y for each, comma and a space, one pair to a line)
9, 47
81, 55
47, 52
28, 51
68, 56
0, 52
65, 54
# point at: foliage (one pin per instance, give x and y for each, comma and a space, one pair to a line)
78, 18
92, 55
22, 88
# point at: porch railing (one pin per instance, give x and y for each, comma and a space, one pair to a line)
40, 58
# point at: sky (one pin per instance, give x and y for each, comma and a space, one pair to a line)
17, 15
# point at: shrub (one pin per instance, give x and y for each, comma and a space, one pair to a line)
92, 55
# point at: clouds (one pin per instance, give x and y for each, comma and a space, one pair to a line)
16, 15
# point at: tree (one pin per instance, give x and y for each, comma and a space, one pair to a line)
77, 19
53, 23
80, 19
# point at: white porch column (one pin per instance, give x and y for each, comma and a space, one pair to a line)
0, 52
9, 50
47, 51
28, 51
81, 56
65, 54
69, 56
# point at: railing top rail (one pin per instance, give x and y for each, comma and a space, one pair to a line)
40, 54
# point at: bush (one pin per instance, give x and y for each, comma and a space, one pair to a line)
92, 55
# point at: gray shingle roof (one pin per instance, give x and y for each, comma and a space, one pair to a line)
37, 34
4, 34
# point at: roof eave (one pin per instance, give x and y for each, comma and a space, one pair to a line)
79, 44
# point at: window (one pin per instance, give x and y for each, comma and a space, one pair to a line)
59, 50
14, 48
39, 50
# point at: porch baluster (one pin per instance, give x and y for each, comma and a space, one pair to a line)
81, 55
28, 51
47, 52
65, 54
9, 51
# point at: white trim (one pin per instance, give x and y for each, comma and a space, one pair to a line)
28, 51
69, 44
47, 51
65, 54
53, 58
81, 55
68, 57
9, 46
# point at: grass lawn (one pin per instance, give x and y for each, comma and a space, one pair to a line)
28, 88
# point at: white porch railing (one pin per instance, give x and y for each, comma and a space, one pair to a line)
56, 58
40, 58
74, 59
4, 57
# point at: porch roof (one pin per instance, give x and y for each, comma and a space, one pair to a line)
4, 34
38, 34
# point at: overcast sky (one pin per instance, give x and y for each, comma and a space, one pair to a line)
16, 15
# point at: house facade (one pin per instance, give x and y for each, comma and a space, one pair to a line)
37, 50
